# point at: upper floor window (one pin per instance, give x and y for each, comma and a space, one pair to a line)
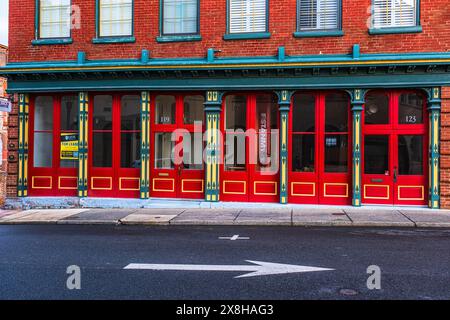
246, 16
54, 19
394, 13
180, 17
115, 18
319, 15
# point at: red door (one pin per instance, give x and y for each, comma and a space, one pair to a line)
250, 169
53, 141
395, 149
319, 160
177, 140
115, 147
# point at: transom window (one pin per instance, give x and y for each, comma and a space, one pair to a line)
319, 15
394, 13
180, 17
115, 18
247, 16
54, 19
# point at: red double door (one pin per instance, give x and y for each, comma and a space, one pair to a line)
114, 145
320, 169
177, 169
250, 168
395, 142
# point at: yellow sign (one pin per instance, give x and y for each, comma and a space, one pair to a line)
69, 146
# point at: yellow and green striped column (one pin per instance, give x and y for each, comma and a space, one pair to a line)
284, 103
83, 148
22, 182
357, 101
145, 145
434, 111
213, 108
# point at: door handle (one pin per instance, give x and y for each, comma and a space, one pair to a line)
395, 175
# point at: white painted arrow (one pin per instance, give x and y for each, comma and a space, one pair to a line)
259, 269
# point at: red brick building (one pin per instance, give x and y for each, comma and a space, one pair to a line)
3, 129
328, 101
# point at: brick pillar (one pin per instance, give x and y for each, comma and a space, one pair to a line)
213, 108
13, 153
445, 149
145, 145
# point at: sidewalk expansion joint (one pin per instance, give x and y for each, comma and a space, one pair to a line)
415, 224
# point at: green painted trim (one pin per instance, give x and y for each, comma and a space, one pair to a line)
163, 36
184, 38
318, 34
22, 176
145, 146
246, 36
417, 29
98, 37
83, 144
114, 40
43, 42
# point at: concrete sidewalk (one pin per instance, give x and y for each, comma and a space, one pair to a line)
277, 216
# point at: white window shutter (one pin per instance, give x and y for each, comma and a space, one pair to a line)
247, 16
116, 18
318, 15
394, 13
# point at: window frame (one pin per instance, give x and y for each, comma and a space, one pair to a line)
247, 35
112, 39
177, 35
38, 40
396, 29
337, 32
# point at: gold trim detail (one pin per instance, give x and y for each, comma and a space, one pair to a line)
163, 190
92, 183
303, 194
42, 188
234, 181
67, 188
129, 189
187, 191
263, 193
377, 185
410, 187
325, 185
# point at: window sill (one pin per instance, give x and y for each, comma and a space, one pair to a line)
179, 38
246, 36
416, 29
312, 34
114, 40
42, 42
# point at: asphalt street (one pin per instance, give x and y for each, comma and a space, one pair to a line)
414, 263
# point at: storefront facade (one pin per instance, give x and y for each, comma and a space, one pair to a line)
298, 126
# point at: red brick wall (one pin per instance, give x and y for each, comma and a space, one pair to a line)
445, 149
13, 154
435, 19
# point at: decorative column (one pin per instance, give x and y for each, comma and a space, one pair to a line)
284, 103
22, 185
213, 108
357, 101
145, 145
83, 138
434, 111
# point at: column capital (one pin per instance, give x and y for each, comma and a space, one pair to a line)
213, 101
358, 98
284, 99
433, 98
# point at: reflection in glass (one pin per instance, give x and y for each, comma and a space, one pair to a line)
43, 113
193, 109
42, 149
267, 137
410, 109
304, 113
163, 150
69, 113
376, 154
235, 150
336, 153
102, 113
376, 109
130, 150
165, 110
236, 113
102, 150
266, 112
336, 112
130, 113
192, 152
303, 153
410, 155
